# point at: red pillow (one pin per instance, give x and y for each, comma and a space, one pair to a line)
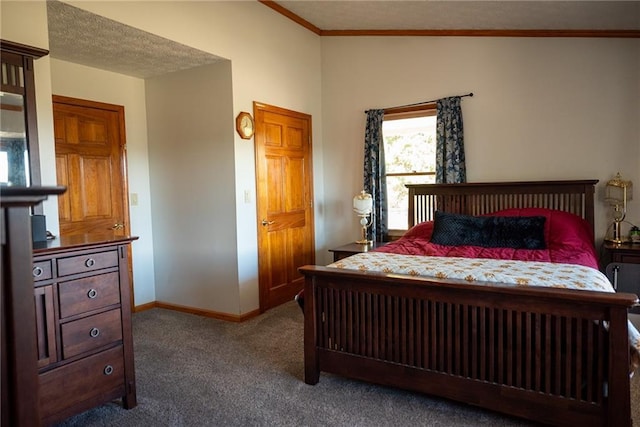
423, 230
565, 232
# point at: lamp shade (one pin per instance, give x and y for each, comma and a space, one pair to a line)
363, 203
618, 190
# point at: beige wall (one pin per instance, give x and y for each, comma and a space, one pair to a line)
24, 22
543, 108
192, 195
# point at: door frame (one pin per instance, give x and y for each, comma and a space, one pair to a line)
263, 292
119, 110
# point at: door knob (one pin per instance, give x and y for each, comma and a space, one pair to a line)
265, 222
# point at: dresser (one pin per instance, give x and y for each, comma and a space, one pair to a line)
83, 324
19, 403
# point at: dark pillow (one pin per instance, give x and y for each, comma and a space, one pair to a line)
518, 232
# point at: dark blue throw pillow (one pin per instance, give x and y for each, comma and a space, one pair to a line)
518, 232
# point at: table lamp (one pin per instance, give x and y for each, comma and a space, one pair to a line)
617, 193
362, 206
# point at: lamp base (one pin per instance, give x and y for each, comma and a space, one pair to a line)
617, 235
363, 233
616, 241
364, 242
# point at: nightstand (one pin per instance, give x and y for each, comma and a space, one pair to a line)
623, 252
623, 268
352, 249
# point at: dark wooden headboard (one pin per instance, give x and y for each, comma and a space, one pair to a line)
478, 198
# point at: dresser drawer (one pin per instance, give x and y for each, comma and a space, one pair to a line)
99, 375
88, 293
87, 262
42, 270
628, 258
90, 333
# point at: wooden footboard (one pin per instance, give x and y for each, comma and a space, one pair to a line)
555, 356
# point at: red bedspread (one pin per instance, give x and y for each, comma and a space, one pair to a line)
568, 238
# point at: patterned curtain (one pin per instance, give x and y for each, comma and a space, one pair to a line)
450, 165
374, 173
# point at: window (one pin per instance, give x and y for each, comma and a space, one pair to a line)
410, 158
4, 167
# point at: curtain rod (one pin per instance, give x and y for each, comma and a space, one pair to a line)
421, 103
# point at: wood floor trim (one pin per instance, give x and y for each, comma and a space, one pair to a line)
144, 307
197, 311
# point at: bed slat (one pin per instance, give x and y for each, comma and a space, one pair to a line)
528, 342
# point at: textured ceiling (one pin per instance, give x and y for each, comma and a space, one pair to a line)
88, 39
467, 15
85, 38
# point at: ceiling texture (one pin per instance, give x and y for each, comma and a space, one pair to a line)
81, 37
84, 38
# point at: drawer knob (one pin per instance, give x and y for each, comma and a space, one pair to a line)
37, 271
94, 332
108, 370
92, 293
90, 262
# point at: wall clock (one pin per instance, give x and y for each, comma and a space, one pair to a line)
244, 125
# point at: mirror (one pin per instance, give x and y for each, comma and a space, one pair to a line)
14, 152
19, 157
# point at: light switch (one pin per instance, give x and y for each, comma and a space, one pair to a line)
247, 196
134, 199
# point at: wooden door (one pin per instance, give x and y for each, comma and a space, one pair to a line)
91, 162
284, 201
90, 159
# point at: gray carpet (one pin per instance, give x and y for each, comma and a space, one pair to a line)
195, 371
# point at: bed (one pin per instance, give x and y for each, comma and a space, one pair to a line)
558, 356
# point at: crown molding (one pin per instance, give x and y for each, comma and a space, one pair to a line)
486, 33
450, 33
295, 18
